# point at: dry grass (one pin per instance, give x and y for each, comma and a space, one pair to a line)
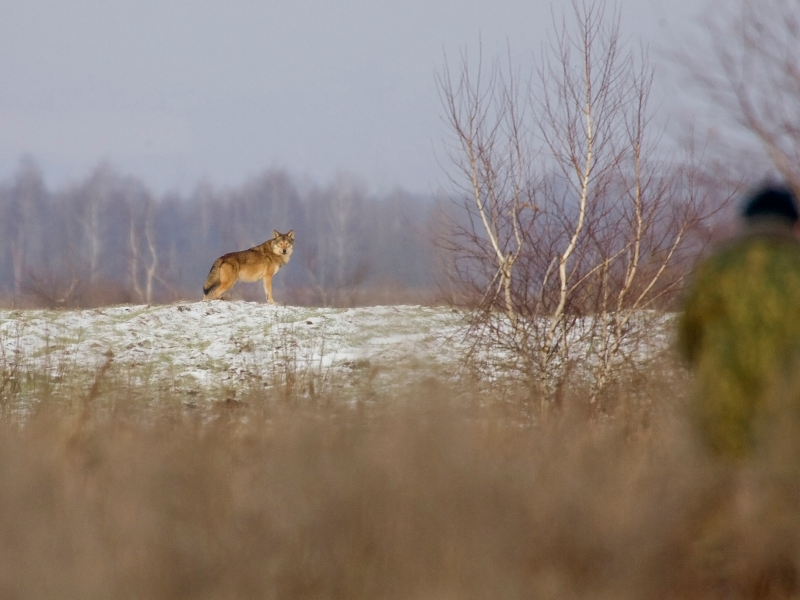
435, 495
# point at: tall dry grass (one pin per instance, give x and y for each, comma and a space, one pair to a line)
433, 495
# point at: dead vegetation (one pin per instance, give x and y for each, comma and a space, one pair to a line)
442, 492
569, 221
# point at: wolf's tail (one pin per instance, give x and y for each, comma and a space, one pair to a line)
212, 281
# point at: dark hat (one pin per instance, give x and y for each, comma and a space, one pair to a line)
772, 201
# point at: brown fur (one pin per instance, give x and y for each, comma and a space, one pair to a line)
259, 262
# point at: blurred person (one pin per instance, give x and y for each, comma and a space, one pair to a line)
740, 328
740, 335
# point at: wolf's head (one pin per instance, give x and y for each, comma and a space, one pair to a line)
283, 243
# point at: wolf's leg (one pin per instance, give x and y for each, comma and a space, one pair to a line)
211, 293
268, 288
212, 281
227, 277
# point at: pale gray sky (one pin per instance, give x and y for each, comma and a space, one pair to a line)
179, 91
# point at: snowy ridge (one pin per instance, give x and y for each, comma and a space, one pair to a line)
225, 347
217, 343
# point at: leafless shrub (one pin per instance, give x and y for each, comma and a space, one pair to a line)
52, 290
573, 224
48, 288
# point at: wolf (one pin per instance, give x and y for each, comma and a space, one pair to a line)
259, 262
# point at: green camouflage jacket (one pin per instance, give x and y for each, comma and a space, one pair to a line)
740, 334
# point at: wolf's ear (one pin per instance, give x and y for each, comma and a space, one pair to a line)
290, 235
275, 234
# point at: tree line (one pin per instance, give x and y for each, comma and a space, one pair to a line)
109, 239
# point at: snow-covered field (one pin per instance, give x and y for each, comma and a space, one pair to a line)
221, 347
210, 345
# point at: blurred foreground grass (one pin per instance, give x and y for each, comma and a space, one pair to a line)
323, 483
444, 492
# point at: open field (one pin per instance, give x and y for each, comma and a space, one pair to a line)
192, 351
236, 450
189, 352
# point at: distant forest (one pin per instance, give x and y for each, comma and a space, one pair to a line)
108, 239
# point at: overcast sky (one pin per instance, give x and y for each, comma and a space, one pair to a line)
181, 91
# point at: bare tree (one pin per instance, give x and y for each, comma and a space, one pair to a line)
144, 262
491, 152
334, 259
22, 225
752, 83
93, 200
573, 223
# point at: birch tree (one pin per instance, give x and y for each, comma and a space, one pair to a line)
491, 151
143, 262
573, 222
